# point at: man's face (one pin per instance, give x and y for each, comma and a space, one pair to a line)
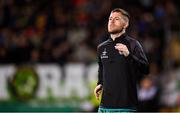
116, 23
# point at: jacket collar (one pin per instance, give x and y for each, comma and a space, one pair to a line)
118, 39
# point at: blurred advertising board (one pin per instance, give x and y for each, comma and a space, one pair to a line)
48, 87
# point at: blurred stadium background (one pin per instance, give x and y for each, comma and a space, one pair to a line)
48, 52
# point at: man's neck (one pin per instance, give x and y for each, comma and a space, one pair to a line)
114, 36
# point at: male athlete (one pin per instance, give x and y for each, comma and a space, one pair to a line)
122, 63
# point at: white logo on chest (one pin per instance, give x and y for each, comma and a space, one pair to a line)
104, 54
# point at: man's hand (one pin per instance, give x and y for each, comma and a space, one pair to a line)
97, 91
122, 49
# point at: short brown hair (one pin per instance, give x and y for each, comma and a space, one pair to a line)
122, 11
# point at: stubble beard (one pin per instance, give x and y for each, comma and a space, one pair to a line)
115, 31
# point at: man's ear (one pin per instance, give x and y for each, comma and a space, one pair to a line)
126, 25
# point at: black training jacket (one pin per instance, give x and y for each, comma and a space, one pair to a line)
119, 74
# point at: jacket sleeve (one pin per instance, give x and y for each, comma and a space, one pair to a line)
138, 58
100, 71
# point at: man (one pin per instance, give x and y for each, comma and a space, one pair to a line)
121, 63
